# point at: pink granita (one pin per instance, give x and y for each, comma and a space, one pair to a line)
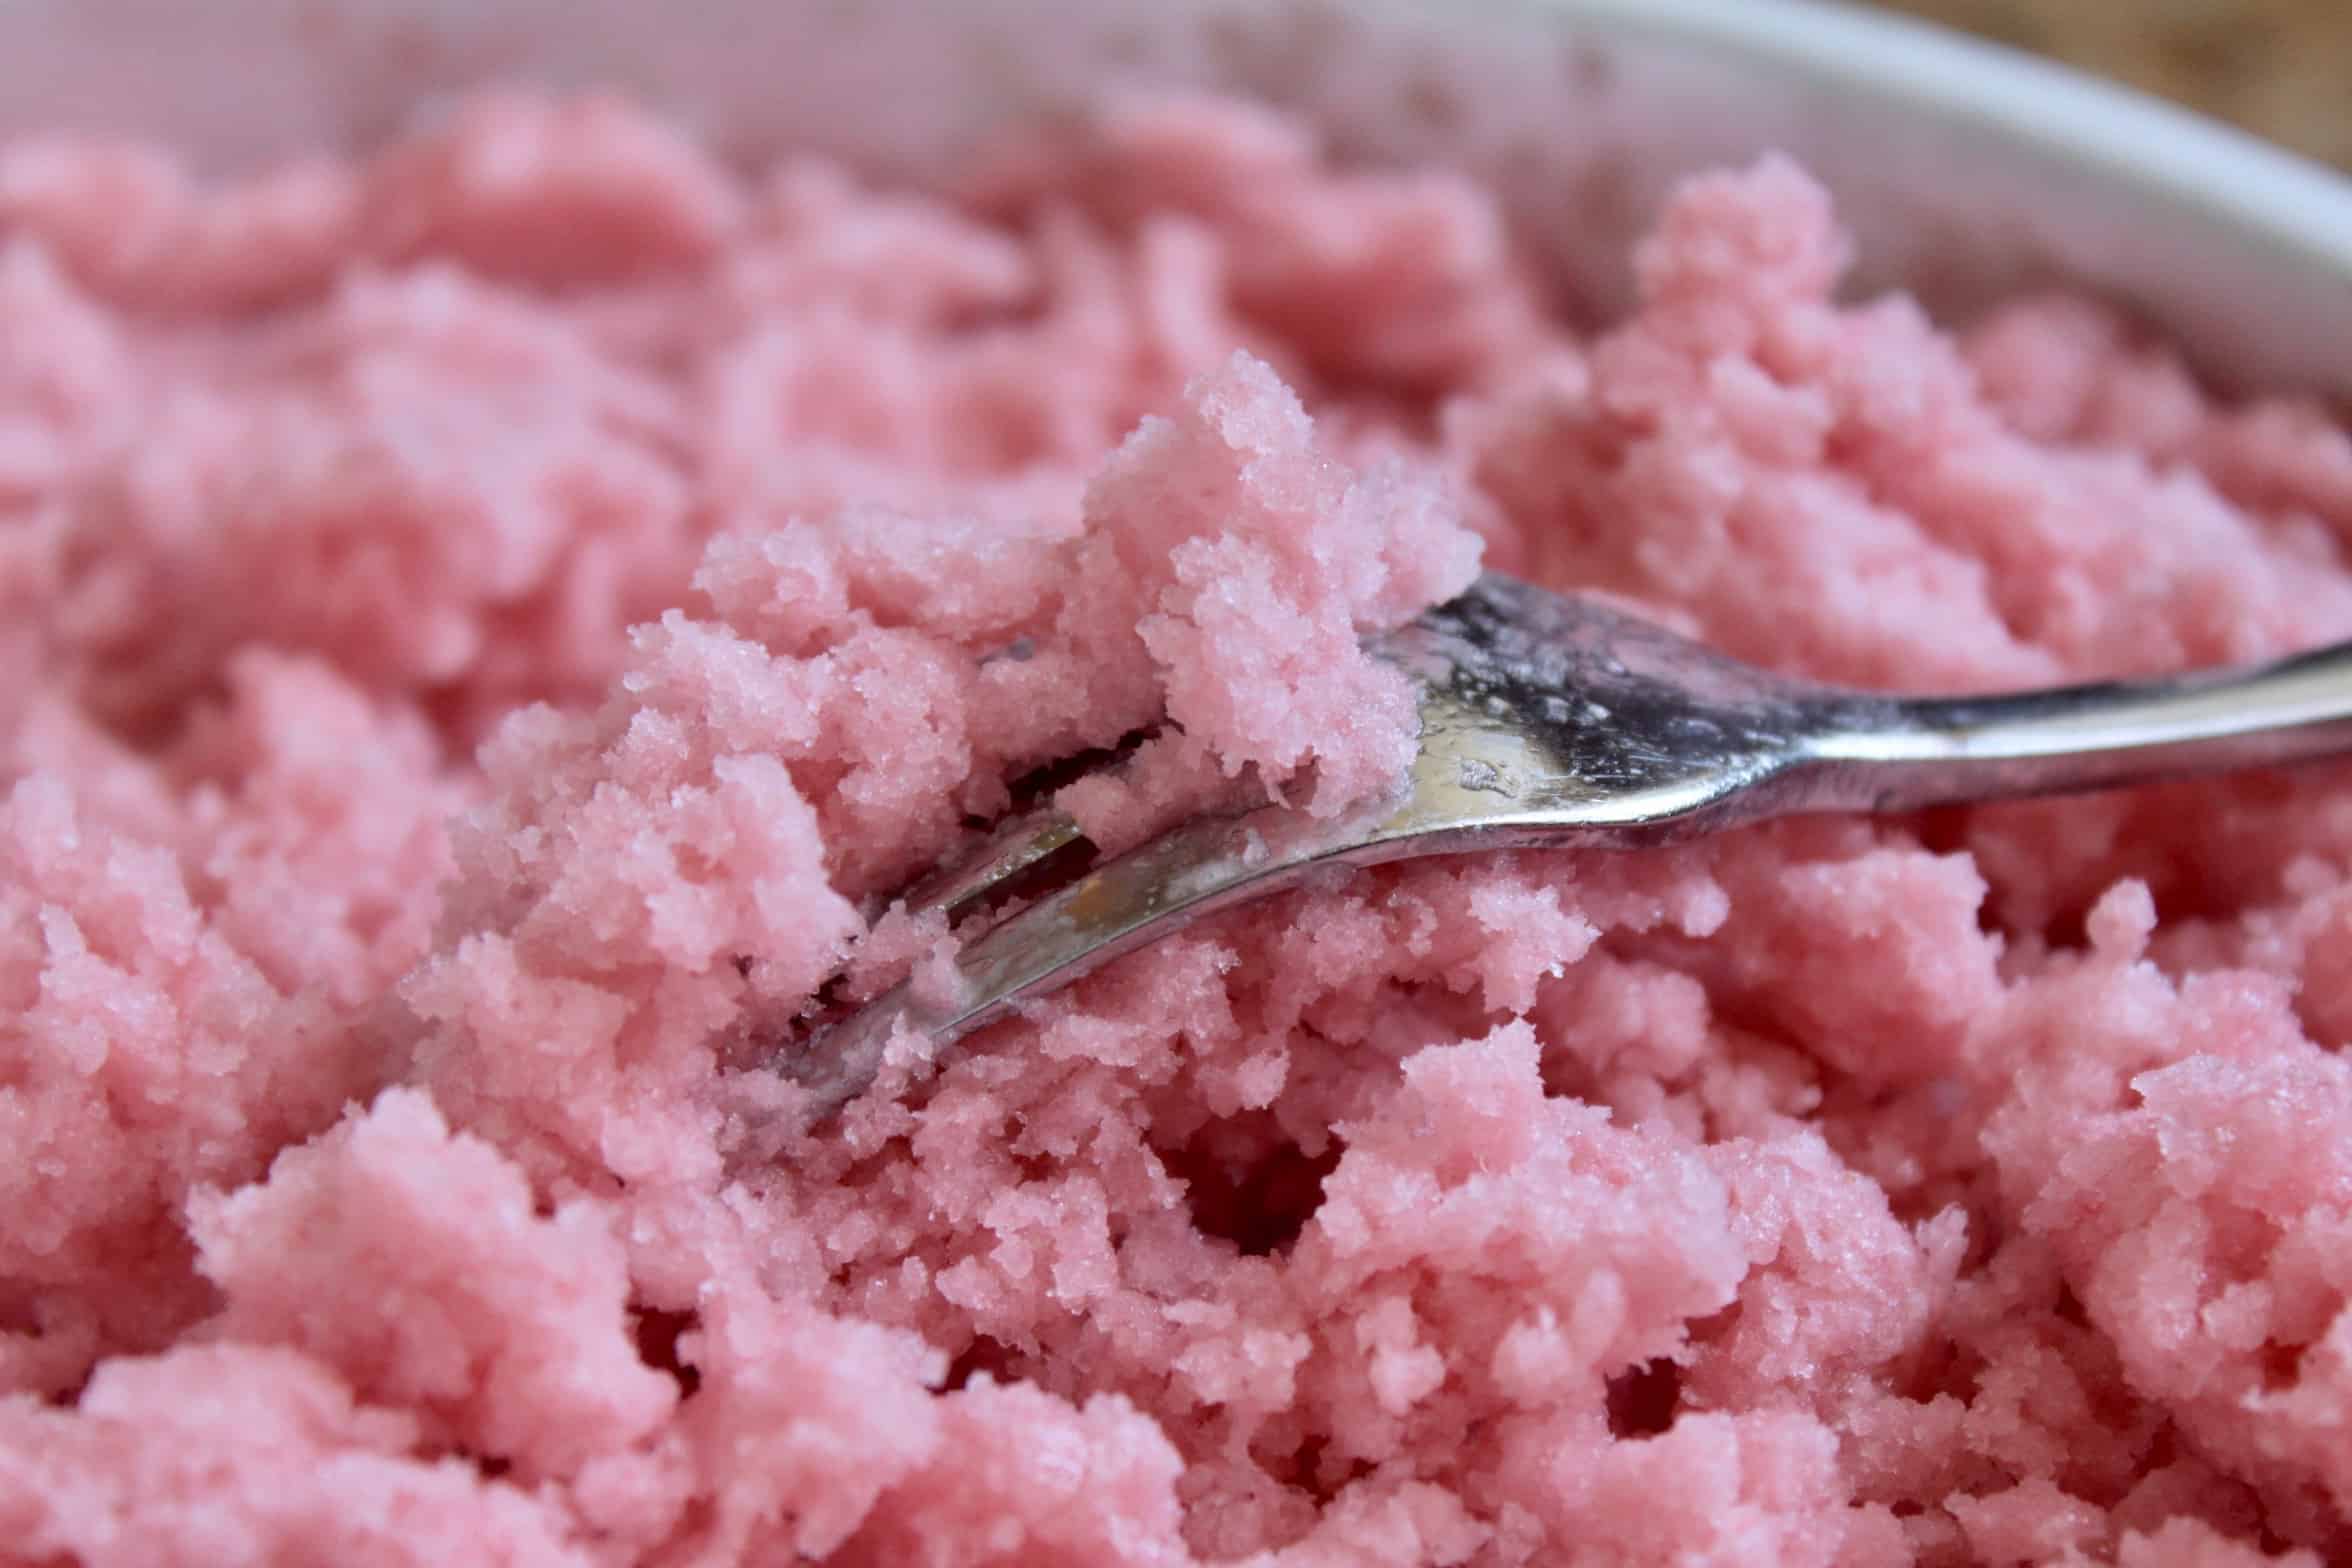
484, 629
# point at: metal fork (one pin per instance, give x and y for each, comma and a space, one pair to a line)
1551, 722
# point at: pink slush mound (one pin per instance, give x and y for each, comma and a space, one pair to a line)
483, 629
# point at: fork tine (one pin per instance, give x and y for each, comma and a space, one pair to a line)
1009, 860
1193, 870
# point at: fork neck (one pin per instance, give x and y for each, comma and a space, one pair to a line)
1890, 754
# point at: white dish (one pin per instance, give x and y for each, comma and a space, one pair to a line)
1964, 170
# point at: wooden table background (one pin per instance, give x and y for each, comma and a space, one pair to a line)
2280, 68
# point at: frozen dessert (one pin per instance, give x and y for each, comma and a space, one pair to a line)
486, 627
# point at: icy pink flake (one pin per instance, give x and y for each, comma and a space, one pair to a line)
506, 1330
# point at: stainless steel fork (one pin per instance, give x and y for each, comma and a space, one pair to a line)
1551, 722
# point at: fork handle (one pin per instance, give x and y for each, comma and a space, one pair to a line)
1892, 754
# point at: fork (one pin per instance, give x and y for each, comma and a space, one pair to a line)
1552, 722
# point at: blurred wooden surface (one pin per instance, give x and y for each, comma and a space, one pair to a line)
2280, 68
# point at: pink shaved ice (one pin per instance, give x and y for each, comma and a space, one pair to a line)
484, 628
